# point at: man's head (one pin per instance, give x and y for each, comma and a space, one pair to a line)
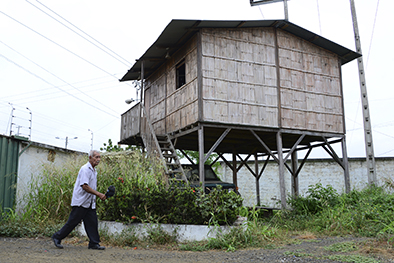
94, 157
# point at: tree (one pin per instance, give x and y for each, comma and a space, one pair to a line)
114, 148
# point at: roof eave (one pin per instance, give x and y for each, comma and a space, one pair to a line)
179, 31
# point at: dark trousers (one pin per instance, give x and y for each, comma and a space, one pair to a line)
89, 217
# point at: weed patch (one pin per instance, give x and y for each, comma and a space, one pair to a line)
353, 259
342, 247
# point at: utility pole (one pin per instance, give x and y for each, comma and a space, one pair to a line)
12, 117
364, 99
67, 139
91, 143
262, 2
31, 122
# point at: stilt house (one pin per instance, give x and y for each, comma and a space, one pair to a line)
246, 89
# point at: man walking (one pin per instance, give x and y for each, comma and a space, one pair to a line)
84, 204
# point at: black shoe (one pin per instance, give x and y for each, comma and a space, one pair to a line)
97, 246
57, 242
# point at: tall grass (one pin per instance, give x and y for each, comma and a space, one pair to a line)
134, 166
50, 193
49, 197
323, 211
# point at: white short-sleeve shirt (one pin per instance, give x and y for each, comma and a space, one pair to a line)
87, 175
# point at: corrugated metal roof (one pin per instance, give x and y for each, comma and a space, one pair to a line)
178, 32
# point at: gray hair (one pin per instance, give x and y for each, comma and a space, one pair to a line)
91, 152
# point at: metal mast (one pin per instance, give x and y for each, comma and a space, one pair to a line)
364, 99
262, 2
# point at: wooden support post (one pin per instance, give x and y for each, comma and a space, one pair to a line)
235, 167
257, 177
281, 170
141, 97
294, 175
201, 156
345, 165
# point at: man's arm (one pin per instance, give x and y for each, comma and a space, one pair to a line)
88, 189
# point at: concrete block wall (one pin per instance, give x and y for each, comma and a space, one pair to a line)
324, 171
30, 166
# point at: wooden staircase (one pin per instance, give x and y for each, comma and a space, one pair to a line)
162, 146
173, 164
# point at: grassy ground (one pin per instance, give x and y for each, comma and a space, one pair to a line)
364, 215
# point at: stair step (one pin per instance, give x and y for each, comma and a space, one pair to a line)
166, 149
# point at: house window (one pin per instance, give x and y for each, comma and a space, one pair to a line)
180, 74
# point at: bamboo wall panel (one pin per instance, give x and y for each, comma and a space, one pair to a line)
309, 86
169, 108
130, 123
182, 107
240, 83
239, 76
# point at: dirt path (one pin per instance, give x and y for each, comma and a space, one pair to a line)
43, 250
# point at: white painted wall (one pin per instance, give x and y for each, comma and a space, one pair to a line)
31, 163
324, 171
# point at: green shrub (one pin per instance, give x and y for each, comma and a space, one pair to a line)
317, 198
219, 206
142, 193
368, 212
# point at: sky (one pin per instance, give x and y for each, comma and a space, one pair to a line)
61, 61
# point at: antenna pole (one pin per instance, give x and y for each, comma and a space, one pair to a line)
31, 122
262, 2
12, 117
364, 99
286, 10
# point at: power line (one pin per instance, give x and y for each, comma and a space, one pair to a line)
57, 77
128, 63
386, 152
373, 30
261, 12
124, 63
35, 75
56, 95
57, 44
318, 14
27, 94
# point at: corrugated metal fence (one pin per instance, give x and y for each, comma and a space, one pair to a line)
9, 150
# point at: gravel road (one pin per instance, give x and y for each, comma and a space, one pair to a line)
43, 250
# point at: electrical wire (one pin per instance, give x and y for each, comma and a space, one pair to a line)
35, 75
318, 15
57, 44
119, 56
28, 94
87, 95
124, 63
261, 12
373, 30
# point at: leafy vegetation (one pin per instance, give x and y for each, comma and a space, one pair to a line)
110, 147
368, 212
142, 195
